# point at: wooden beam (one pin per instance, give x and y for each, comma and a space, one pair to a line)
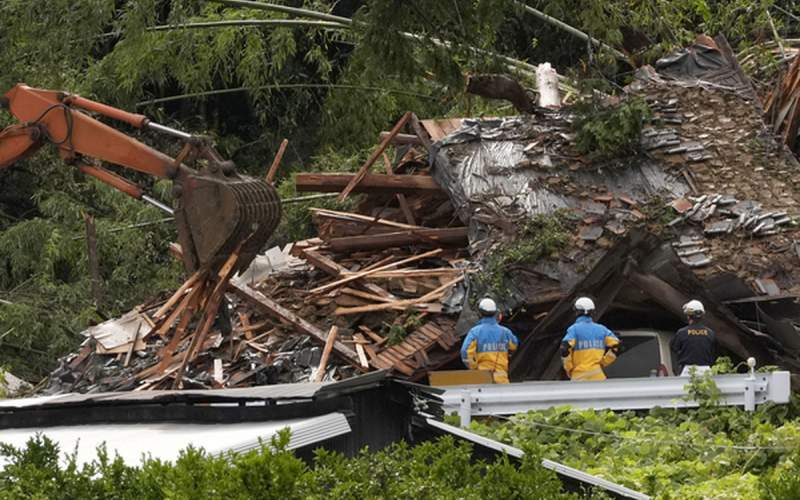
353, 182
326, 353
277, 311
273, 169
370, 183
405, 139
455, 236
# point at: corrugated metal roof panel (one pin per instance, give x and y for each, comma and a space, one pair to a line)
164, 441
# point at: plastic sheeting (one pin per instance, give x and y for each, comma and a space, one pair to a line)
486, 170
701, 62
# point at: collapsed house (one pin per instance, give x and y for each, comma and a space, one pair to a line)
707, 209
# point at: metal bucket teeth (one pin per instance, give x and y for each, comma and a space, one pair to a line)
215, 214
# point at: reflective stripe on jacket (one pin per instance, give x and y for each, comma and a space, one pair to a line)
486, 347
590, 352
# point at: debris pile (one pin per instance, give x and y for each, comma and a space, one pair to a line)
379, 289
708, 209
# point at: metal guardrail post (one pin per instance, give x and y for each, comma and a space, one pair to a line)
465, 408
750, 386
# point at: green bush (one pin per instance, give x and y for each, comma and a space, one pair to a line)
442, 469
605, 132
709, 452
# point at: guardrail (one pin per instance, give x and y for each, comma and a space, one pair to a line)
745, 390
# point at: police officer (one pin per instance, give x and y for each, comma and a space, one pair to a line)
694, 344
588, 347
487, 345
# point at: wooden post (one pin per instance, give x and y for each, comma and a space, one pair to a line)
94, 264
326, 353
273, 169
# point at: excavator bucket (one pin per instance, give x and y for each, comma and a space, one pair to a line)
216, 213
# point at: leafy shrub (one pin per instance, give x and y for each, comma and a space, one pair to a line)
605, 132
709, 452
442, 469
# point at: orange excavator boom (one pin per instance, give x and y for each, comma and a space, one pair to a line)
216, 208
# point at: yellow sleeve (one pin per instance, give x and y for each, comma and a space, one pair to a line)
568, 363
472, 355
610, 356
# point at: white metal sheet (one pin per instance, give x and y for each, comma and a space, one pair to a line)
165, 440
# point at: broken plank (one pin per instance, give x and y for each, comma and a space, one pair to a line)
362, 356
273, 169
363, 274
362, 171
372, 183
177, 295
398, 304
452, 236
335, 269
322, 262
374, 336
362, 219
330, 340
276, 310
420, 132
365, 295
414, 273
246, 328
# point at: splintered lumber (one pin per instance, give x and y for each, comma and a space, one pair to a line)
420, 132
362, 274
362, 172
399, 304
330, 340
351, 217
276, 310
334, 269
453, 236
273, 169
362, 354
177, 295
371, 183
210, 313
401, 198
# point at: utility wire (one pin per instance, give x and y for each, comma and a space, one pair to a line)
287, 86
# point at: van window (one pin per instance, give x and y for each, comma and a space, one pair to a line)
641, 355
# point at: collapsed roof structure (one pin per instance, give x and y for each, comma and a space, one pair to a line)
707, 208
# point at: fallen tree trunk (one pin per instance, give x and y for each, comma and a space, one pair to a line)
501, 87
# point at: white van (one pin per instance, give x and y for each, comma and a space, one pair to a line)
645, 353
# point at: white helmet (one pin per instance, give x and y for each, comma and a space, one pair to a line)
584, 305
694, 308
487, 306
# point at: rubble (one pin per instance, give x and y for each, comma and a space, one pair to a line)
708, 209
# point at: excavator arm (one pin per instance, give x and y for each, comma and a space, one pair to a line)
216, 208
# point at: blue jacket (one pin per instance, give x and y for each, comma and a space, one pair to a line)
588, 355
487, 345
